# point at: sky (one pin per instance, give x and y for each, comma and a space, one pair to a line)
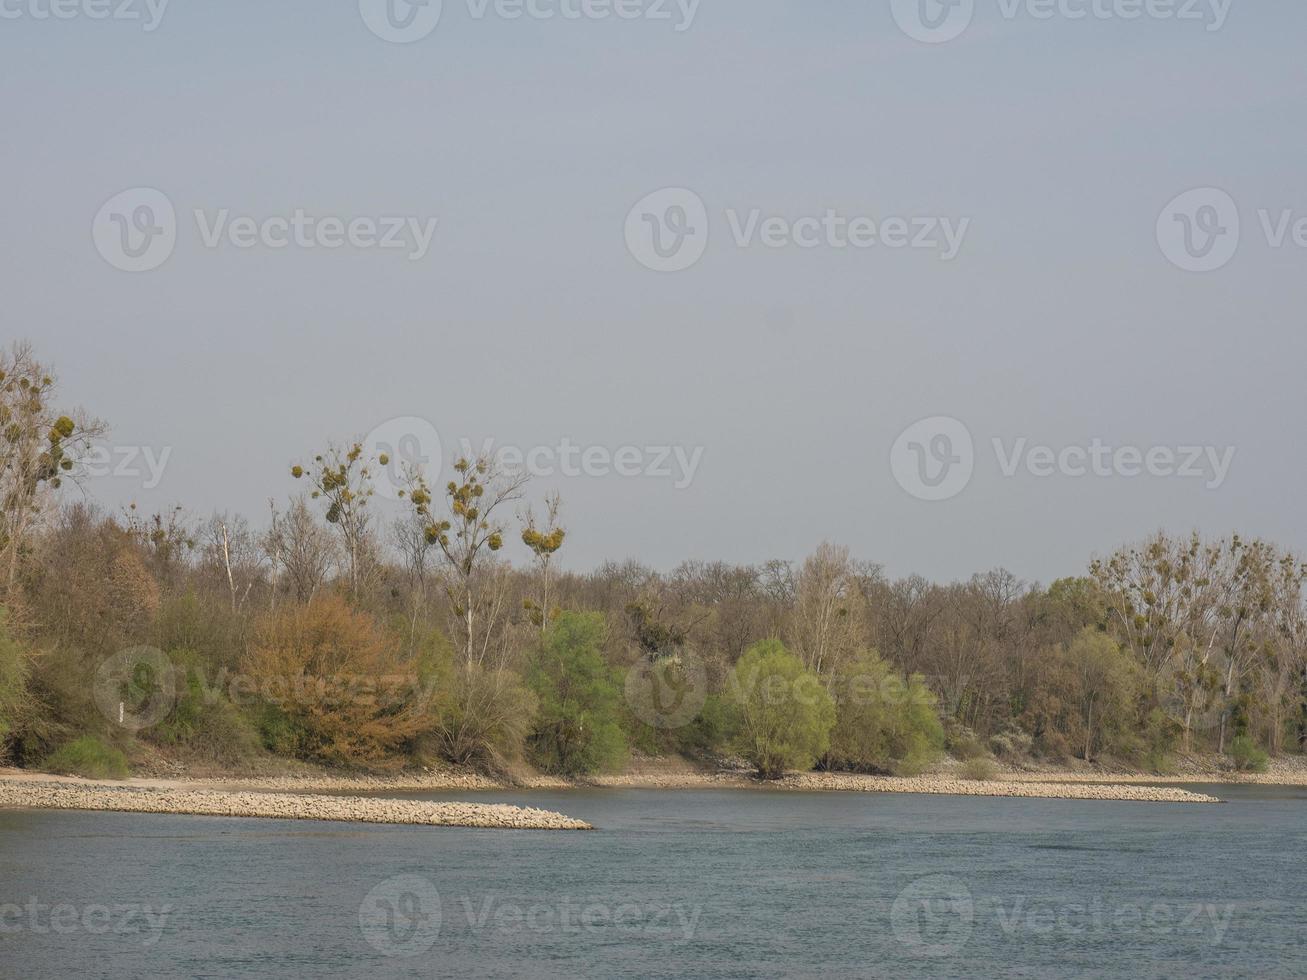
959, 287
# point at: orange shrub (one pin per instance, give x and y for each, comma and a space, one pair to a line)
339, 676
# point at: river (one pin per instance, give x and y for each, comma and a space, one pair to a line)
713, 884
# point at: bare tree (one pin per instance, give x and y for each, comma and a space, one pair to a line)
468, 536
230, 548
300, 548
409, 535
342, 478
544, 543
39, 449
826, 628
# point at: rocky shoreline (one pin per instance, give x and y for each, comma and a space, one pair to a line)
1063, 786
996, 787
278, 806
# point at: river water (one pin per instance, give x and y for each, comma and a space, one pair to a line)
674, 883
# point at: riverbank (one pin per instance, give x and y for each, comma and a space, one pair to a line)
59, 794
655, 774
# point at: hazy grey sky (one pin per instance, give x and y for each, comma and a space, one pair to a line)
1052, 147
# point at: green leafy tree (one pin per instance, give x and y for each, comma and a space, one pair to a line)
1106, 686
884, 721
577, 729
783, 714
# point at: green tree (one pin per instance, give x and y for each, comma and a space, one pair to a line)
577, 728
1106, 687
783, 715
883, 720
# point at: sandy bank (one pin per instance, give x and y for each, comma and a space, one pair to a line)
82, 795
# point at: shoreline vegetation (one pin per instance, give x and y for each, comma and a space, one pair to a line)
376, 623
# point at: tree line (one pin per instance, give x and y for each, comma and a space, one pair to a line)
337, 632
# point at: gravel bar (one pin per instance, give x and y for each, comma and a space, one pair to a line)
277, 806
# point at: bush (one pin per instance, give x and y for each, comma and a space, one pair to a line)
204, 723
482, 717
13, 683
90, 757
278, 732
703, 733
783, 716
339, 678
883, 721
577, 730
1248, 756
1011, 744
1160, 737
980, 769
963, 744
